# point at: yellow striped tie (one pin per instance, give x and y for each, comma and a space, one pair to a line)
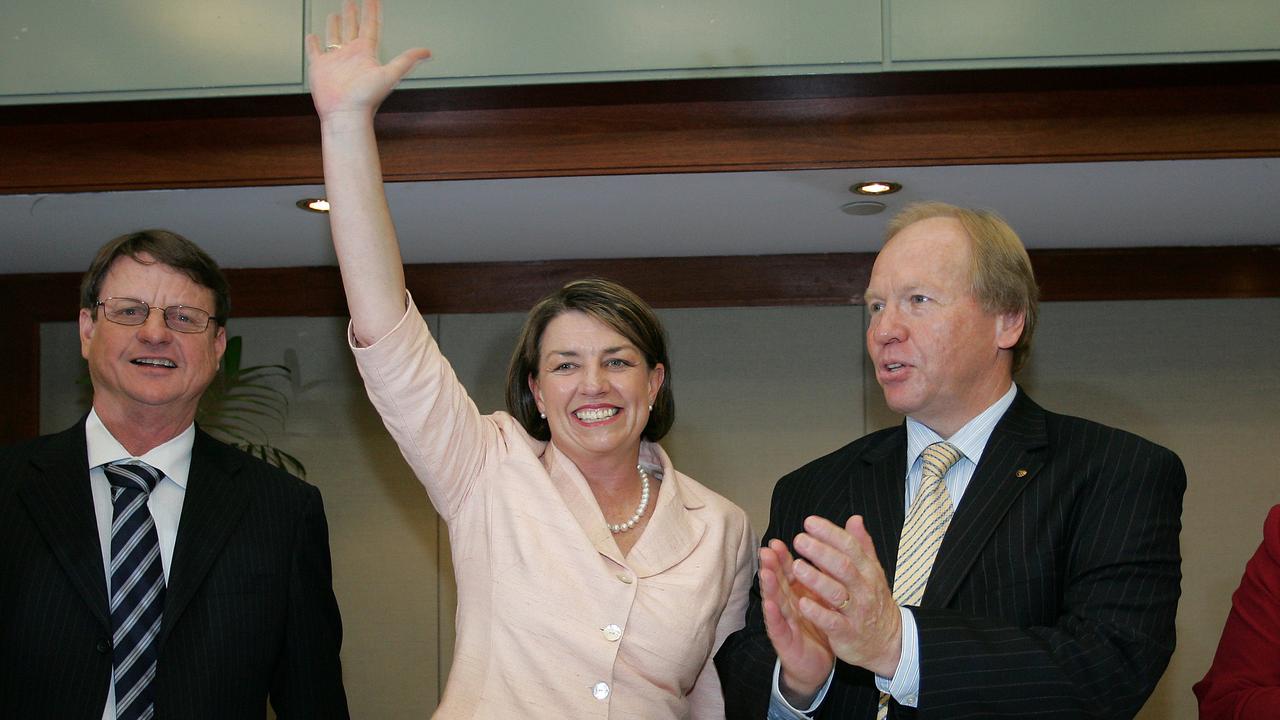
922, 533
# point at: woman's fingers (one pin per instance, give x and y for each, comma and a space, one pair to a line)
350, 23
332, 30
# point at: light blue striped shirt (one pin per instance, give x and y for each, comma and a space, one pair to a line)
971, 440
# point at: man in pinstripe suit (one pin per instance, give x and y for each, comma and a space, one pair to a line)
1056, 582
248, 611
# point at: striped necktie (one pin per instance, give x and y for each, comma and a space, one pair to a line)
922, 533
137, 589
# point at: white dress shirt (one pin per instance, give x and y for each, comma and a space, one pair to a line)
173, 458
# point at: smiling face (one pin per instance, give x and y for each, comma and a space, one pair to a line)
939, 357
149, 372
595, 388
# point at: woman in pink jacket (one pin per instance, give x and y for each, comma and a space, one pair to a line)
594, 579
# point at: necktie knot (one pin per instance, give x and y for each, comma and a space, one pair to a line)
938, 459
131, 475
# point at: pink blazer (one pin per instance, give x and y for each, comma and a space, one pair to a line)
1244, 680
553, 621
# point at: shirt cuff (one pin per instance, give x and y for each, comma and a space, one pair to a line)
905, 685
780, 709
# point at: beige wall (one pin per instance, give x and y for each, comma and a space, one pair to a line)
759, 391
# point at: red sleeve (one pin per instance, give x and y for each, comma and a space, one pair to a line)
1244, 680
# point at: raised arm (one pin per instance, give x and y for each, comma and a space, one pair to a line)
347, 86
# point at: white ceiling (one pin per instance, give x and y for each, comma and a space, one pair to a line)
1120, 204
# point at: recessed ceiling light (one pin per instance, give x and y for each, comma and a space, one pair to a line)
318, 205
875, 187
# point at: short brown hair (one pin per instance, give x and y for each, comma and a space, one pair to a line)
611, 304
1000, 271
164, 247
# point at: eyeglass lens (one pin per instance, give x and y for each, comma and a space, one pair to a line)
181, 318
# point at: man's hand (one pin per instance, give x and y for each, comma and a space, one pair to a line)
848, 600
802, 649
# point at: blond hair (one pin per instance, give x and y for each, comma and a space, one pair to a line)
1000, 271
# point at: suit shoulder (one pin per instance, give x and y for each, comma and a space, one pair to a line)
11, 456
21, 449
1093, 436
719, 505
261, 470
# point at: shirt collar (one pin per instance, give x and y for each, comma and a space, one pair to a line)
173, 457
971, 439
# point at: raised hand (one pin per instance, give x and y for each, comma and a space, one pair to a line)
803, 650
345, 74
347, 85
855, 609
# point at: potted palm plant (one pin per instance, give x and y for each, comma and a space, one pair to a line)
242, 402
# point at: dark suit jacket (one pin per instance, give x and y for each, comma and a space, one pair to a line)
1055, 588
1244, 680
249, 609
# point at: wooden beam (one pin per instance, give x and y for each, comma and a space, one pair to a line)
885, 119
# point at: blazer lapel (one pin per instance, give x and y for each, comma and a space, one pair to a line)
576, 494
883, 495
1012, 458
673, 531
60, 502
216, 497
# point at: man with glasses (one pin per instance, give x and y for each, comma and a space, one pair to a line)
147, 569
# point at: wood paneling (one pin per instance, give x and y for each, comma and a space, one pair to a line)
933, 118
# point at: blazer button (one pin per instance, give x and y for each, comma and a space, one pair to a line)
624, 578
104, 647
600, 691
612, 633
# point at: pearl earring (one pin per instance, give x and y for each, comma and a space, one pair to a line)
542, 415
650, 408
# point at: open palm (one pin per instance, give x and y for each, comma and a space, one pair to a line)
345, 75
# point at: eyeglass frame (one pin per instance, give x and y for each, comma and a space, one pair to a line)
164, 313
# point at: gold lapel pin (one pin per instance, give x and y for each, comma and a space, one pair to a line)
1021, 473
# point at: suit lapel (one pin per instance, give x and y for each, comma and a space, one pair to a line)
1012, 458
883, 495
673, 531
216, 497
60, 502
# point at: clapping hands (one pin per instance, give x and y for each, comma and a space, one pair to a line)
833, 602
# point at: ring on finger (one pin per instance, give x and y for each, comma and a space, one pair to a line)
333, 46
843, 604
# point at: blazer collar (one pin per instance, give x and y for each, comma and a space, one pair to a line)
673, 530
671, 534
1014, 456
60, 502
217, 494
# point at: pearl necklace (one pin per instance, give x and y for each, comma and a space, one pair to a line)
639, 513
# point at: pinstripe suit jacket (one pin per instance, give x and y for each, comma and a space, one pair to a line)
1055, 588
249, 610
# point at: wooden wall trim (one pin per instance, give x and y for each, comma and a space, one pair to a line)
885, 119
835, 279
